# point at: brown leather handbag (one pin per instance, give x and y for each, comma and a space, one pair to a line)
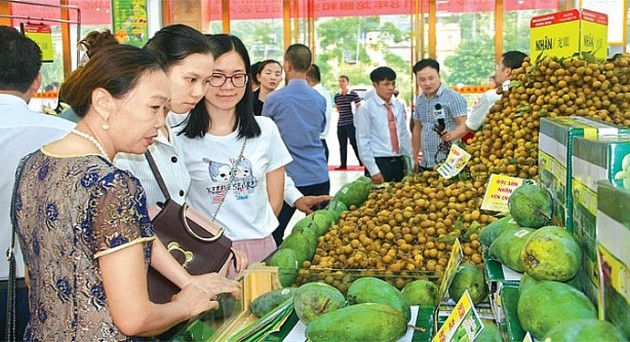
192, 239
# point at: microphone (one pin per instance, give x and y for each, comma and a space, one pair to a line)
440, 117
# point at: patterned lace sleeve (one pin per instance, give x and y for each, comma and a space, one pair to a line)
120, 214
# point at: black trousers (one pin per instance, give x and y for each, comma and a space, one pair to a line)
392, 168
287, 211
325, 148
21, 309
345, 133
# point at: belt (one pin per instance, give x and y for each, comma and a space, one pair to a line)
20, 283
396, 159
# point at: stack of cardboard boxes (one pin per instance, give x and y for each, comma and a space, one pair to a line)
581, 163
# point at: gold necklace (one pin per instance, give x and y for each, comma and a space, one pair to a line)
93, 140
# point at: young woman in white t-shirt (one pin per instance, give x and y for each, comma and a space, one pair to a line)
235, 159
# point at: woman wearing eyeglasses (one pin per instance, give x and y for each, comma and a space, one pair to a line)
235, 159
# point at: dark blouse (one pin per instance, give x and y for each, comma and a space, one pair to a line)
258, 105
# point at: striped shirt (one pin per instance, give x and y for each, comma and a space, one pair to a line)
344, 107
454, 105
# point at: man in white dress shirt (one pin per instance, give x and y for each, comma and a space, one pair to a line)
381, 130
509, 61
314, 79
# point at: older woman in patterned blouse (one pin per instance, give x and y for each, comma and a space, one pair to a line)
83, 223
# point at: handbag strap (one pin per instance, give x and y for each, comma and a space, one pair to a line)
10, 253
232, 172
11, 282
156, 173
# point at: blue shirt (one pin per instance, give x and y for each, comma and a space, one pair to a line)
453, 106
300, 114
372, 132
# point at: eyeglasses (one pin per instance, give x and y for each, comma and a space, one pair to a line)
238, 80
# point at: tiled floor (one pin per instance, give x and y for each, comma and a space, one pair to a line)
337, 178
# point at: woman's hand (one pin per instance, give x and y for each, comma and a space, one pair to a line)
241, 261
196, 299
125, 283
215, 284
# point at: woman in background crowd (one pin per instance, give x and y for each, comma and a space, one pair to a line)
87, 239
254, 83
235, 159
269, 75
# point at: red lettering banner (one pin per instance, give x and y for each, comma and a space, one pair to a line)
98, 12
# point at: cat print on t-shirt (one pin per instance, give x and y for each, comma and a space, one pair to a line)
243, 181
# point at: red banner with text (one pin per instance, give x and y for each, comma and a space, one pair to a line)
98, 12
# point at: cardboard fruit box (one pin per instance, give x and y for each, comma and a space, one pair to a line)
509, 302
555, 148
613, 236
593, 160
570, 32
499, 276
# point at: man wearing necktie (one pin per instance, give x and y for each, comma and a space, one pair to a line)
381, 130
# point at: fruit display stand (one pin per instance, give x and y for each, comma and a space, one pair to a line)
256, 280
342, 278
422, 319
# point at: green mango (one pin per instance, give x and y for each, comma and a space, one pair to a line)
314, 299
492, 231
584, 330
309, 230
526, 282
266, 302
324, 219
490, 332
359, 323
301, 245
548, 303
468, 277
364, 179
285, 260
336, 207
531, 206
507, 248
551, 253
421, 292
354, 193
375, 290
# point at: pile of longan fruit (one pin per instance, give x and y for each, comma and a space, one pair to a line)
508, 141
409, 226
